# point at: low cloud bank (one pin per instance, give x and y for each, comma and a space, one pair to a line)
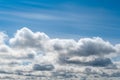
36, 51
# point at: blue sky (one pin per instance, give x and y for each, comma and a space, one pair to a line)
63, 18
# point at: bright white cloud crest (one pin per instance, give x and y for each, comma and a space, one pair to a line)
34, 52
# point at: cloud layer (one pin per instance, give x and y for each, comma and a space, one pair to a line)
31, 53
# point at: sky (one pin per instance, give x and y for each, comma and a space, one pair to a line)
69, 18
60, 39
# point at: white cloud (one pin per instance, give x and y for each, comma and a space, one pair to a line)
29, 52
25, 38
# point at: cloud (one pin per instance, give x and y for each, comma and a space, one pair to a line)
96, 62
101, 62
64, 74
85, 47
32, 53
115, 74
94, 46
25, 38
43, 67
3, 47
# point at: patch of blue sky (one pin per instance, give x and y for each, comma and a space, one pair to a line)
74, 17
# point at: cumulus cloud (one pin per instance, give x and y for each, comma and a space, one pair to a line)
25, 38
35, 52
94, 46
84, 47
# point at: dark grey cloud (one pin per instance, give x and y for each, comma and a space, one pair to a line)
30, 56
64, 74
43, 67
97, 62
5, 72
101, 62
115, 74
